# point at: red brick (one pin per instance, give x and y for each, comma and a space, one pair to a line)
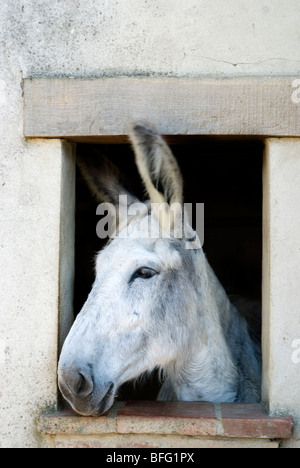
78, 444
168, 419
246, 420
141, 445
174, 409
183, 418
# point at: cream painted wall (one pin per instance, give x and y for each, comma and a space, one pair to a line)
281, 274
30, 214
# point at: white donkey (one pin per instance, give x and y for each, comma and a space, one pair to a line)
155, 305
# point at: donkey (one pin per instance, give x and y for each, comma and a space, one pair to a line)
155, 304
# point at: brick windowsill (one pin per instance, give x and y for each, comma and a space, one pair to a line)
227, 420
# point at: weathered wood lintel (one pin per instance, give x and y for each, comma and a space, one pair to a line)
99, 110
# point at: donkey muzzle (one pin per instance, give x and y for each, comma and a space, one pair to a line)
78, 387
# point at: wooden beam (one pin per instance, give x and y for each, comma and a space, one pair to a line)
99, 110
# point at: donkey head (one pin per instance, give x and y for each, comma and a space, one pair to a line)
141, 313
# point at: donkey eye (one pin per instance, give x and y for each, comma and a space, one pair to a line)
143, 273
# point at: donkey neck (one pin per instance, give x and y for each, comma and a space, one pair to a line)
208, 372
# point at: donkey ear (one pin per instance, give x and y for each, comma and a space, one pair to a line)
104, 179
157, 166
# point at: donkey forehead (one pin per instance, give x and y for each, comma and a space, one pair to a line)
139, 253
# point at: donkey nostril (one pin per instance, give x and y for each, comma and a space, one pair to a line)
85, 385
79, 383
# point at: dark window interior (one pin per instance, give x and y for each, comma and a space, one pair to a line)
225, 175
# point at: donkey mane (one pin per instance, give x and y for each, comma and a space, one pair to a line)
155, 304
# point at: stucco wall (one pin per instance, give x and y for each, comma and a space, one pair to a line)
170, 37
75, 38
281, 273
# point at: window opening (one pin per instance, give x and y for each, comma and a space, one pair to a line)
225, 175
